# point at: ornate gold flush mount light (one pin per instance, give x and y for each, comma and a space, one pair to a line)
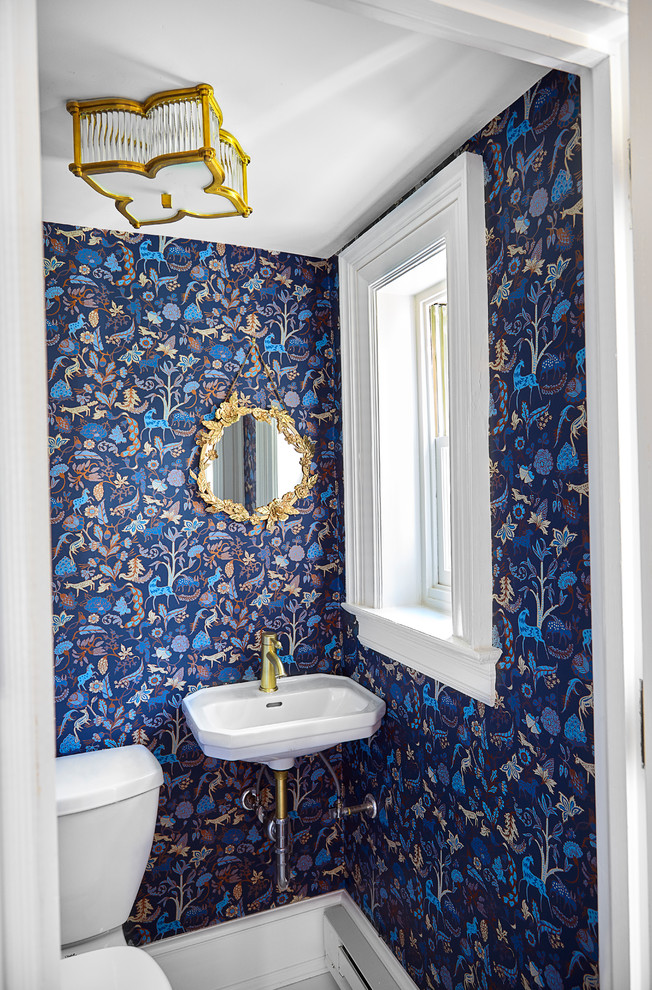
159, 159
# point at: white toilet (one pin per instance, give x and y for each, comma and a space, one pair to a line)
107, 803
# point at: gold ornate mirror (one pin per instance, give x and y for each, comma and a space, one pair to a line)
253, 463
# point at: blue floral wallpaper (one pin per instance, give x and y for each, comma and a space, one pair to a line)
480, 870
153, 596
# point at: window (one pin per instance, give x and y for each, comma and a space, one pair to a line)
416, 460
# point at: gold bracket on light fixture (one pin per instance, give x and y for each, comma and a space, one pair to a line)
135, 153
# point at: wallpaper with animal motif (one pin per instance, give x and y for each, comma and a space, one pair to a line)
480, 870
153, 595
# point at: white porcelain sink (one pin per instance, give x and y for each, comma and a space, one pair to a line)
305, 715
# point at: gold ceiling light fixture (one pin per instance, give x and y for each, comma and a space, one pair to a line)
160, 159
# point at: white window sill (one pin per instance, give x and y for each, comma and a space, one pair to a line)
422, 639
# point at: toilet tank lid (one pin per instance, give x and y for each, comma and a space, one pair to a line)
93, 779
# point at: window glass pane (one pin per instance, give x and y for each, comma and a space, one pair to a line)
443, 511
439, 351
441, 463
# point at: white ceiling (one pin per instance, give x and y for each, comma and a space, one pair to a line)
341, 114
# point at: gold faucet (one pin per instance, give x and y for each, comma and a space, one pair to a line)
271, 666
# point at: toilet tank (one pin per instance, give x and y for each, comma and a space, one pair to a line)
107, 803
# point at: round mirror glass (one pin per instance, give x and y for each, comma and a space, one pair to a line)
253, 464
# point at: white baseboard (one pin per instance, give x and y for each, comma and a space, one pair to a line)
273, 949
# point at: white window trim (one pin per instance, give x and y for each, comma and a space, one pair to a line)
457, 649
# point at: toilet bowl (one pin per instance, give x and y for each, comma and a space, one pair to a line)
107, 803
119, 968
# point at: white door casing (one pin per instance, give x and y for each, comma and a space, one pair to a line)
29, 909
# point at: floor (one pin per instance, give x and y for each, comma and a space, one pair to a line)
323, 982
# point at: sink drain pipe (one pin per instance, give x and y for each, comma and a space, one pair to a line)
279, 830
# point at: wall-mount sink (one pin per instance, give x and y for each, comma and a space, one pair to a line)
307, 714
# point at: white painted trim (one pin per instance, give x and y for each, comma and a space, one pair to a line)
450, 207
29, 911
395, 633
640, 74
609, 339
264, 951
528, 31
